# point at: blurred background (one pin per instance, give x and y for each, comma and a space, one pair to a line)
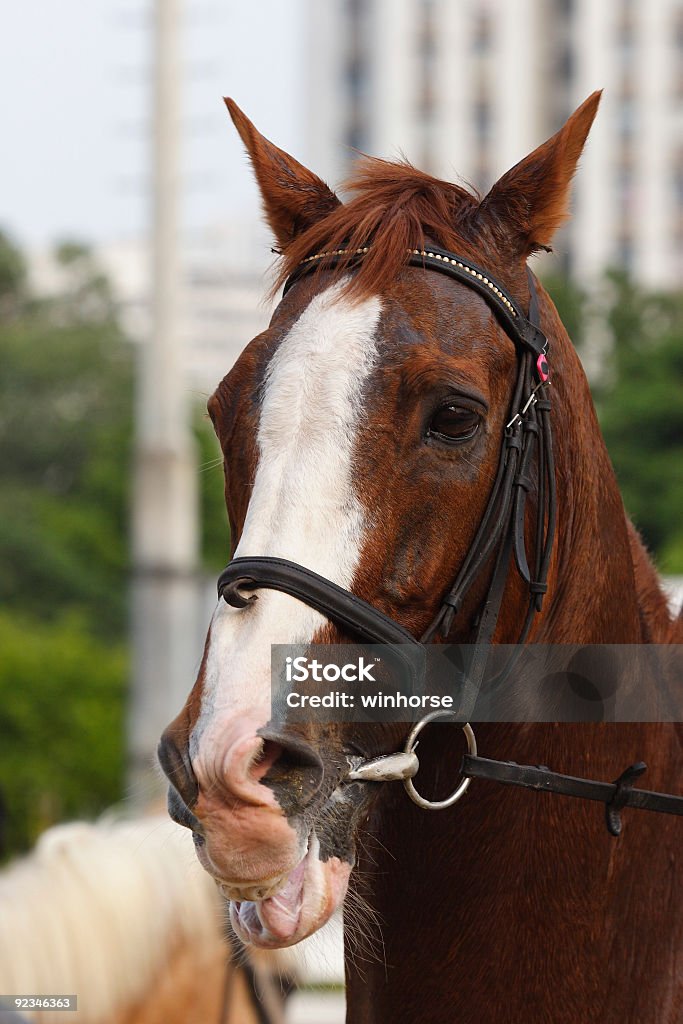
133, 266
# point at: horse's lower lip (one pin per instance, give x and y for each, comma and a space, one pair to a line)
275, 917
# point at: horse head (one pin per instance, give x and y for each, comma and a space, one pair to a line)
361, 434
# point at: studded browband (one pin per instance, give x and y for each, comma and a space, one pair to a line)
519, 329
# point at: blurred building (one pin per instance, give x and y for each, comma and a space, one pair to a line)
466, 89
223, 293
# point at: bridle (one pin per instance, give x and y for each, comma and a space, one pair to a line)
525, 464
501, 530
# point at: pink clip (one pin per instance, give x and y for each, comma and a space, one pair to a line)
542, 368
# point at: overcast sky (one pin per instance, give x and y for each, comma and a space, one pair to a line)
74, 78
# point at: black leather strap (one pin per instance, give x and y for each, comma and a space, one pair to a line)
339, 605
524, 332
615, 795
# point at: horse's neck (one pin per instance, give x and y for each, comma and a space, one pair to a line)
604, 588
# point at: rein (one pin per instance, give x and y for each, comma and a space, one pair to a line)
615, 795
500, 535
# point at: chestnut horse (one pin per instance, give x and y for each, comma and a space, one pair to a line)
361, 434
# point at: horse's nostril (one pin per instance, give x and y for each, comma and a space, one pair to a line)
290, 767
270, 754
175, 762
180, 813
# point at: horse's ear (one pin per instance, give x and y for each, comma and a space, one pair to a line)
293, 197
527, 205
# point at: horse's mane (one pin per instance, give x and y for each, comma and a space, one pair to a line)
95, 910
395, 207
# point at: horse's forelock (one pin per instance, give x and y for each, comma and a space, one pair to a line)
393, 207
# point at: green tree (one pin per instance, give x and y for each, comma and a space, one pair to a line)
640, 405
66, 387
639, 399
61, 723
572, 303
12, 278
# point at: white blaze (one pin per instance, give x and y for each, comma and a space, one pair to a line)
302, 506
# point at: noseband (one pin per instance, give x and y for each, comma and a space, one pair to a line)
500, 534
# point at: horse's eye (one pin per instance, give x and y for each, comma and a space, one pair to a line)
454, 424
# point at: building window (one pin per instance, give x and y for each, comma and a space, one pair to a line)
355, 74
677, 30
626, 34
482, 35
355, 77
625, 190
627, 118
625, 252
482, 119
428, 31
427, 48
677, 90
566, 64
355, 134
482, 174
626, 85
677, 178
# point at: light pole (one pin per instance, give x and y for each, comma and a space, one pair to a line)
166, 588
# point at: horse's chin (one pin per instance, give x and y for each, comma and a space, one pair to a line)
306, 901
